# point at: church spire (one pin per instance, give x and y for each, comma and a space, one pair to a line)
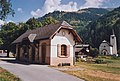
113, 42
113, 32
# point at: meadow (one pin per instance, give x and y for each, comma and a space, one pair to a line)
102, 68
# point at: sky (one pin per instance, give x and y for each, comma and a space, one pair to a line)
25, 9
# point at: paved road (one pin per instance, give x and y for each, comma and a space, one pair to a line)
36, 72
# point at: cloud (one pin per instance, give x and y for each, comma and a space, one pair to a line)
20, 10
93, 3
56, 5
36, 13
2, 22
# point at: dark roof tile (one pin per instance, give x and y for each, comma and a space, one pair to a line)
43, 32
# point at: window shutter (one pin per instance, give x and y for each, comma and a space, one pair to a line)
59, 50
68, 50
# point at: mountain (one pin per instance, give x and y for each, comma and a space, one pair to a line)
79, 18
102, 28
93, 24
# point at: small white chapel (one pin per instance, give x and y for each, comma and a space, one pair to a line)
107, 48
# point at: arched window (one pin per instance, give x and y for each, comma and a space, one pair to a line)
63, 50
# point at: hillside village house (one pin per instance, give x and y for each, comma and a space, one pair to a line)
53, 44
82, 51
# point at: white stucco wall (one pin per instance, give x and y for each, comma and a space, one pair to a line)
111, 52
105, 46
67, 39
113, 42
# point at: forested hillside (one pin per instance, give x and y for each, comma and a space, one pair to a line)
93, 24
78, 19
101, 29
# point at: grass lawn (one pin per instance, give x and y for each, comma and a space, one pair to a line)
7, 76
110, 71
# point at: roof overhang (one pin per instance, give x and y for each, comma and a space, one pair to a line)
76, 36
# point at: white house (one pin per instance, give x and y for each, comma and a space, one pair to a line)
53, 44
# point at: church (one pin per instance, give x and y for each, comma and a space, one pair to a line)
106, 48
52, 44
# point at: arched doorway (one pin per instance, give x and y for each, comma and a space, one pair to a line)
104, 52
43, 52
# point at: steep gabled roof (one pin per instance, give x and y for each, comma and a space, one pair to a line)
48, 32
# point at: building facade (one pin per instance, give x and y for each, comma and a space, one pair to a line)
53, 45
106, 48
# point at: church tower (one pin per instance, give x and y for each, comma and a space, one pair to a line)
113, 43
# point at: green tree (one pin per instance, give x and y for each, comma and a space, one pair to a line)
23, 27
5, 9
1, 41
7, 35
93, 52
33, 23
48, 20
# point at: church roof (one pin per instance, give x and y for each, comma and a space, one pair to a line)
48, 31
106, 42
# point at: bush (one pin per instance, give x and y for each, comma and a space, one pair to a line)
100, 61
119, 52
115, 58
77, 59
94, 52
